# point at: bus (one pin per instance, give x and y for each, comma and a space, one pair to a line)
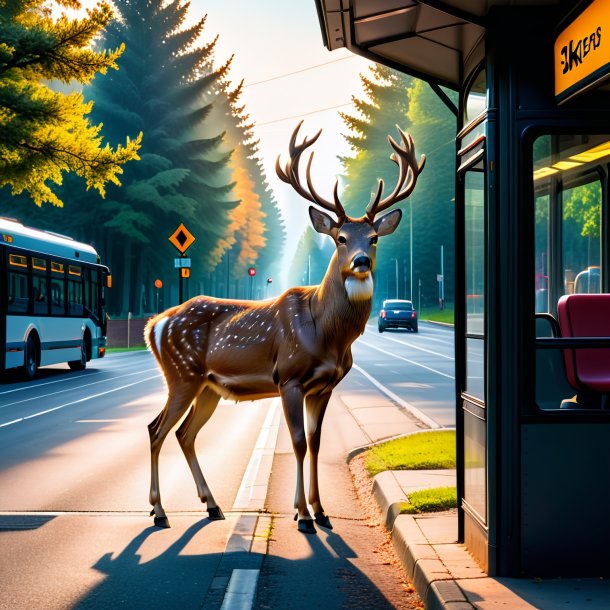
52, 307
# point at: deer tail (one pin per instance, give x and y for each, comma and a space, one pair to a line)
153, 332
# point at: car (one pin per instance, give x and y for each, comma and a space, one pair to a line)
396, 313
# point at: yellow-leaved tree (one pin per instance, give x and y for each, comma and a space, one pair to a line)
43, 132
247, 221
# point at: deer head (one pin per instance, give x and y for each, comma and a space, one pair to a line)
355, 238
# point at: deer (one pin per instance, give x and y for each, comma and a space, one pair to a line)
296, 346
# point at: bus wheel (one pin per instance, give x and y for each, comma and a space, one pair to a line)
30, 364
79, 365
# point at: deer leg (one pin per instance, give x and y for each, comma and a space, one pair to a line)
202, 410
292, 402
178, 402
316, 408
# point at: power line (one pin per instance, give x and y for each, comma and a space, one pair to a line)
268, 80
296, 116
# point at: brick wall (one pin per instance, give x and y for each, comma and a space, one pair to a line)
118, 332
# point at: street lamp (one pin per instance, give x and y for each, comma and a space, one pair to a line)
396, 268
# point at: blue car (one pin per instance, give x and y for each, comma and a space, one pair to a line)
396, 313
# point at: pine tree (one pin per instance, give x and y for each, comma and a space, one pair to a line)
45, 133
386, 106
256, 234
166, 88
396, 99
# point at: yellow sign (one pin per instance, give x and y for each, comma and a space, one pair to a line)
182, 239
582, 51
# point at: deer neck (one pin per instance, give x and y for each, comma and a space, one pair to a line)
341, 312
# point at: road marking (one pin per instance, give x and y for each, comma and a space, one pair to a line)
241, 590
253, 489
251, 497
423, 366
75, 402
38, 385
86, 385
417, 347
403, 403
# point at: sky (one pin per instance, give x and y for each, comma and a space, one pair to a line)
274, 43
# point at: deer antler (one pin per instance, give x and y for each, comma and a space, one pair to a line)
408, 169
290, 175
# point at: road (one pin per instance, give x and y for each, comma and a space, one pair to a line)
74, 476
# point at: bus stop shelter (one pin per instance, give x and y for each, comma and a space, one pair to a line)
532, 159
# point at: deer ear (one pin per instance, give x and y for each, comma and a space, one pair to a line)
322, 222
387, 223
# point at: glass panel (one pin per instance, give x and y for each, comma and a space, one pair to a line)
75, 298
18, 294
581, 238
474, 220
541, 236
58, 307
568, 196
41, 296
475, 368
476, 98
475, 484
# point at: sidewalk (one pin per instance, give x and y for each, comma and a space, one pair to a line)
444, 573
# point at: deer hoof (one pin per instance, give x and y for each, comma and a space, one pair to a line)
162, 522
215, 514
306, 526
323, 521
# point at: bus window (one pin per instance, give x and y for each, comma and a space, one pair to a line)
75, 290
40, 286
18, 294
58, 304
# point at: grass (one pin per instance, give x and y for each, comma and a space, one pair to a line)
116, 350
437, 315
430, 500
422, 451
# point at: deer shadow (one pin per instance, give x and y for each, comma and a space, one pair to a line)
326, 577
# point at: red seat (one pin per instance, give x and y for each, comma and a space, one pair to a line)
586, 315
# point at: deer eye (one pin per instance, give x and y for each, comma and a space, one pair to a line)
341, 239
374, 240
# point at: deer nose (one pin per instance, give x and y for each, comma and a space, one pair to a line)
361, 263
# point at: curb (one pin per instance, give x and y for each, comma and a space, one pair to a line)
432, 577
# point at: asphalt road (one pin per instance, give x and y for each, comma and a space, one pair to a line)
74, 474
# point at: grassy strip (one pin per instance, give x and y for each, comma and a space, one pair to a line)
436, 315
117, 350
422, 451
430, 500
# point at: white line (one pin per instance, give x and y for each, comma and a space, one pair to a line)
253, 489
403, 403
423, 366
75, 402
241, 590
38, 385
71, 377
86, 385
421, 349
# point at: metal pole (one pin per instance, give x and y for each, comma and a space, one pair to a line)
396, 266
442, 277
411, 249
128, 329
251, 278
419, 297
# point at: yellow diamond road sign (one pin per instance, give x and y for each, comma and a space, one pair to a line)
182, 239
